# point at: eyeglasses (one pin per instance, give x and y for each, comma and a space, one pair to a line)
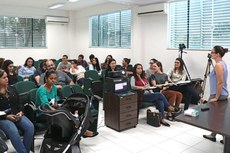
177, 62
151, 63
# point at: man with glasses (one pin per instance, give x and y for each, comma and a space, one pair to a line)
62, 77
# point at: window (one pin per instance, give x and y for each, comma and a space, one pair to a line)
111, 30
22, 32
199, 24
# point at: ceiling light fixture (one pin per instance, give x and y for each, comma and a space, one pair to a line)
56, 5
73, 0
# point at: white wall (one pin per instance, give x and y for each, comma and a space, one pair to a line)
57, 36
153, 34
149, 40
82, 35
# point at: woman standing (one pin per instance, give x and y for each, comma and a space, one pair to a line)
139, 82
218, 81
15, 119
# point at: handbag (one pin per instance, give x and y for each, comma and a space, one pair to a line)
153, 118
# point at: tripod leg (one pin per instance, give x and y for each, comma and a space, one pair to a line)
207, 72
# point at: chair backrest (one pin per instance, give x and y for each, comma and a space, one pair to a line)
20, 78
92, 74
23, 88
32, 95
68, 90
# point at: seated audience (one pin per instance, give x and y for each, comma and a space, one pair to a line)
78, 71
8, 67
139, 82
177, 74
126, 67
1, 62
91, 57
106, 63
111, 66
95, 65
27, 69
14, 119
160, 79
150, 71
47, 95
39, 71
62, 77
81, 61
64, 65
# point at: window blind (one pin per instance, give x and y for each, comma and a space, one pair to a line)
18, 32
206, 23
111, 30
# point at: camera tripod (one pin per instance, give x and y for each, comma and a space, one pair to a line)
180, 56
207, 72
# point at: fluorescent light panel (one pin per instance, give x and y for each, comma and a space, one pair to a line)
56, 5
72, 0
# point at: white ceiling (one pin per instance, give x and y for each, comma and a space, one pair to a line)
43, 4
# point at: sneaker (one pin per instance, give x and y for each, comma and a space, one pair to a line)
163, 122
177, 110
222, 141
209, 137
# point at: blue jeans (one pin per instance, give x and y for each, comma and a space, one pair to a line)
158, 100
11, 130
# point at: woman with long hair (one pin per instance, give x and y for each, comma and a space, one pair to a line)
111, 66
27, 69
95, 65
8, 67
139, 82
14, 119
160, 79
218, 81
178, 74
127, 67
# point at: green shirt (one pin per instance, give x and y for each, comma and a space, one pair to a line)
43, 97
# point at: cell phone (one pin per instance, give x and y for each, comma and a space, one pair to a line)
204, 108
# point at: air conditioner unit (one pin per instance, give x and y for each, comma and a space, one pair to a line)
57, 19
153, 9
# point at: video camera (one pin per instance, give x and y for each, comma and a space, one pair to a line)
182, 46
209, 56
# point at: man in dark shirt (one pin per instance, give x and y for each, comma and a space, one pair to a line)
81, 61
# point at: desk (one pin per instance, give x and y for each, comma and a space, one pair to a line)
216, 119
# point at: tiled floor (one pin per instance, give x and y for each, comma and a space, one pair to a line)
179, 138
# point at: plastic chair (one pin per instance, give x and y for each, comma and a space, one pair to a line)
23, 88
92, 74
68, 90
30, 111
20, 78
